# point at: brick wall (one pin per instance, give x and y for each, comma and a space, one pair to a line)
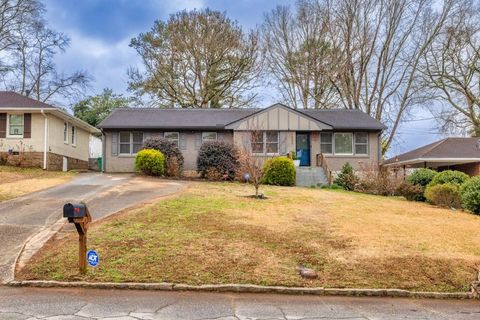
472, 169
35, 159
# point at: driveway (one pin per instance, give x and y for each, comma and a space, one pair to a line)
104, 194
36, 303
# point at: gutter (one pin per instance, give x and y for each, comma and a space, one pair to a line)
45, 138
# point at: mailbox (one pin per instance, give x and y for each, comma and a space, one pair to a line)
77, 210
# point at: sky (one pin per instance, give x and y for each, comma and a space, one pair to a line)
100, 32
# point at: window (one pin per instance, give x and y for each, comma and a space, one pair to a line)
209, 136
172, 136
343, 143
361, 143
326, 144
265, 142
15, 125
74, 136
130, 142
65, 132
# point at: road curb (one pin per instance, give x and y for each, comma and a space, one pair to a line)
247, 288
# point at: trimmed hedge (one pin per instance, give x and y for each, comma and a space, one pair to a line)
217, 160
150, 162
173, 156
449, 176
444, 195
422, 177
279, 171
470, 192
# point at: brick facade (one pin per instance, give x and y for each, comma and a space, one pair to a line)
35, 159
472, 169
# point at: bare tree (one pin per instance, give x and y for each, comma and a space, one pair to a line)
451, 69
251, 165
197, 59
298, 54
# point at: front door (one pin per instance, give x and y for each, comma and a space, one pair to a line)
303, 148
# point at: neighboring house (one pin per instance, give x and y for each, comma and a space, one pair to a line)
459, 153
340, 135
36, 134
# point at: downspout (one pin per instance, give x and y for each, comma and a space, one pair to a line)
45, 137
104, 149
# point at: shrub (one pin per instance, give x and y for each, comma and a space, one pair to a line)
279, 171
219, 156
347, 178
449, 176
470, 192
150, 162
444, 195
421, 177
173, 156
411, 192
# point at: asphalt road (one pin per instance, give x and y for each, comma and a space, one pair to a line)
104, 194
36, 303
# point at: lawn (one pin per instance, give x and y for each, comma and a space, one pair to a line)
15, 182
214, 233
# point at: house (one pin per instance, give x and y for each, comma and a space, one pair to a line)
462, 154
339, 135
36, 134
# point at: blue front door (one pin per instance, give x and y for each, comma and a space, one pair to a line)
303, 148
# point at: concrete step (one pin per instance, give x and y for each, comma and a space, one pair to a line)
310, 176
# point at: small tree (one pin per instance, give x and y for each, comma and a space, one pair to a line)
347, 178
253, 167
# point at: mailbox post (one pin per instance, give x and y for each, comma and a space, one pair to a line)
80, 216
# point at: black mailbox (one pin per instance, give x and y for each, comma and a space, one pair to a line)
74, 210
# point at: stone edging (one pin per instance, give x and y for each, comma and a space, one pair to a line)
248, 288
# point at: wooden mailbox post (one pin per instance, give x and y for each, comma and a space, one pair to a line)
80, 216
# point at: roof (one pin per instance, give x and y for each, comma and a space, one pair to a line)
449, 149
156, 118
10, 100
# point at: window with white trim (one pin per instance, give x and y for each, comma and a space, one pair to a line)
343, 143
65, 132
74, 136
172, 136
209, 136
265, 142
361, 143
130, 142
326, 143
15, 125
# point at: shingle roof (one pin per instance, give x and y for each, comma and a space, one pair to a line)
448, 148
155, 118
10, 99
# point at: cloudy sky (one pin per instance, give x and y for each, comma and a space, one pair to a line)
100, 31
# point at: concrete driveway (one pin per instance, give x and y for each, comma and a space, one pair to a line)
104, 194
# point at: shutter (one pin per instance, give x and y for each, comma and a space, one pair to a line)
3, 125
114, 143
283, 142
183, 141
198, 140
27, 125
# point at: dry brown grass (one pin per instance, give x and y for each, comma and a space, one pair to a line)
16, 182
213, 233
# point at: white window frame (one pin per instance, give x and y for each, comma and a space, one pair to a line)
65, 132
173, 140
334, 144
74, 136
15, 136
264, 144
331, 143
361, 143
130, 143
209, 140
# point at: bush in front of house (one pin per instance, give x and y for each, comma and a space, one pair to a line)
470, 192
217, 160
279, 171
411, 192
449, 176
444, 195
173, 156
150, 162
422, 177
347, 179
